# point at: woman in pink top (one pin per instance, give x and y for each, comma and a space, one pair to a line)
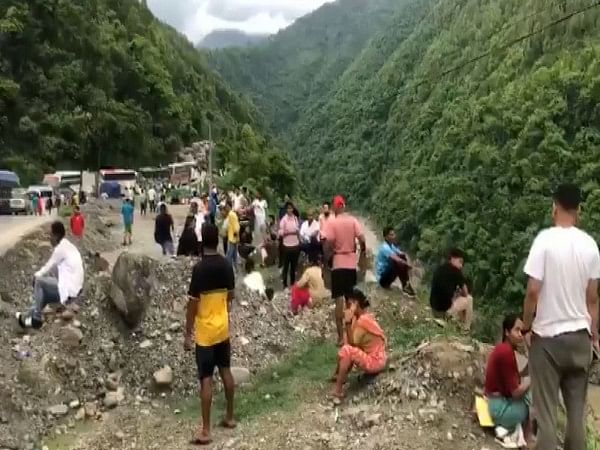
289, 231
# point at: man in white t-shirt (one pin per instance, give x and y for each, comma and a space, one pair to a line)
152, 199
561, 312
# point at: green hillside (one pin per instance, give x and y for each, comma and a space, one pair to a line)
96, 82
298, 66
466, 158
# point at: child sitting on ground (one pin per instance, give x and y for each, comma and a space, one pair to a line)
254, 279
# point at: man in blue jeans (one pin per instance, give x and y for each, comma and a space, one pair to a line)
67, 264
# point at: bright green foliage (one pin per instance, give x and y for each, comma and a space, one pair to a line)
468, 158
102, 82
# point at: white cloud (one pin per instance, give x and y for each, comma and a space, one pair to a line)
197, 18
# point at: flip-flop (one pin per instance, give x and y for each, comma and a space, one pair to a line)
229, 425
204, 440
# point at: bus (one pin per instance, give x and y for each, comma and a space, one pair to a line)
63, 178
125, 177
183, 173
8, 181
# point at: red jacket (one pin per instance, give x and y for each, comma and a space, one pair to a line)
77, 224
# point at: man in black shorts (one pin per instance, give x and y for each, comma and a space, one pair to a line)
207, 323
340, 235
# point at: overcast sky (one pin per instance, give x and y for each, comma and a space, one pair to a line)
196, 18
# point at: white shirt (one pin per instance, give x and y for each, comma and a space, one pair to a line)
151, 194
199, 222
237, 202
67, 259
260, 207
307, 232
564, 260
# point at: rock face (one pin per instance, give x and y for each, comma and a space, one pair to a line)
71, 336
130, 287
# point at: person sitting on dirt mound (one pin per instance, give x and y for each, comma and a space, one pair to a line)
311, 282
449, 292
66, 261
365, 342
508, 396
392, 263
254, 279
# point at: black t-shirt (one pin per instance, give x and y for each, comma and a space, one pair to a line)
162, 229
444, 284
212, 273
188, 243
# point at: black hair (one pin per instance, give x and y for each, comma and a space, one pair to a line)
272, 216
455, 252
387, 230
229, 204
314, 258
210, 236
289, 205
270, 293
163, 208
326, 203
567, 196
249, 266
508, 323
359, 296
58, 230
188, 221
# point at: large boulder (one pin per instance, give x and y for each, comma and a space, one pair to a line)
130, 286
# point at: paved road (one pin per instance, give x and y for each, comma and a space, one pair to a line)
12, 228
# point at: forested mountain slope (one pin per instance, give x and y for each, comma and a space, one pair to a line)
92, 82
230, 38
466, 158
471, 157
299, 65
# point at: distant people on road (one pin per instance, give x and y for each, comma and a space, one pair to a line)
341, 235
260, 207
507, 394
310, 242
560, 319
40, 206
364, 342
51, 289
199, 218
188, 241
392, 263
289, 232
127, 213
77, 223
163, 229
449, 294
49, 205
34, 203
207, 324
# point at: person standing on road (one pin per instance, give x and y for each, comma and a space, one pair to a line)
233, 234
77, 223
143, 202
67, 263
163, 229
152, 199
561, 320
289, 232
207, 324
127, 212
341, 234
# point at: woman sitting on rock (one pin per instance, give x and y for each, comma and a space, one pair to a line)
365, 342
508, 396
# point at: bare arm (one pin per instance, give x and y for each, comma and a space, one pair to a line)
522, 389
531, 300
591, 298
190, 316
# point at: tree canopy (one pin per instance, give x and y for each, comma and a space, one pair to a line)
103, 82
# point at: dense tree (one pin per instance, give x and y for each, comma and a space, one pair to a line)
467, 158
88, 83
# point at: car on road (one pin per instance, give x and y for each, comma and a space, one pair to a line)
8, 181
20, 202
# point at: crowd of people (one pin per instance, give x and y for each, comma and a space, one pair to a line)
558, 327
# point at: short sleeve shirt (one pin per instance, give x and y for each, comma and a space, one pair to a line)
233, 227
127, 213
446, 280
382, 262
502, 373
564, 260
212, 279
342, 232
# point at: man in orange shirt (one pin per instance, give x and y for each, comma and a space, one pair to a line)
340, 237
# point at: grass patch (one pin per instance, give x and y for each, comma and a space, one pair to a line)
282, 387
68, 441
